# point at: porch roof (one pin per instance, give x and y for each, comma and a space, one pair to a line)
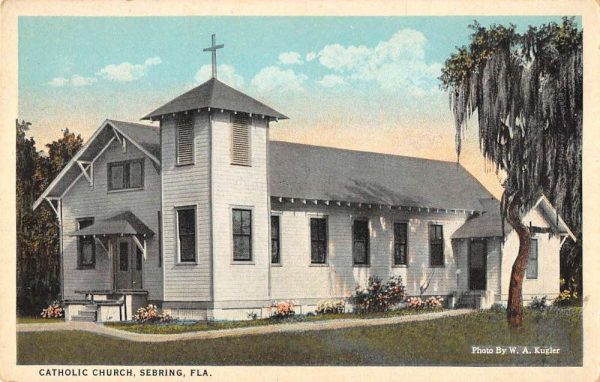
125, 223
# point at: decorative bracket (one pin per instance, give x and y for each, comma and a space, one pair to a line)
56, 208
87, 168
142, 247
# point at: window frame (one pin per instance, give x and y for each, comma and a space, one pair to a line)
537, 261
406, 244
429, 239
325, 261
250, 235
278, 239
80, 264
126, 175
195, 233
178, 123
367, 262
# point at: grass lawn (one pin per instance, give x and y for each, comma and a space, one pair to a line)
445, 341
176, 327
37, 320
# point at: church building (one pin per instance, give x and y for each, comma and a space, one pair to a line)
206, 217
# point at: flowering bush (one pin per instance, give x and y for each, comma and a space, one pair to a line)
434, 302
378, 296
330, 306
282, 309
566, 298
537, 303
151, 314
54, 310
415, 303
431, 302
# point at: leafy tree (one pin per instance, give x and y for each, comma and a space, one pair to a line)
38, 261
526, 90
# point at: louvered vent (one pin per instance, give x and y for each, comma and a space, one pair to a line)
185, 140
240, 144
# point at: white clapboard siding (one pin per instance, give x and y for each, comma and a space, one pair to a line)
185, 141
240, 140
83, 201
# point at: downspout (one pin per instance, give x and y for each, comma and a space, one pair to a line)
269, 215
60, 250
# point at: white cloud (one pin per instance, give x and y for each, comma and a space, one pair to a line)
274, 79
58, 82
396, 64
311, 56
126, 71
75, 80
331, 80
225, 73
290, 58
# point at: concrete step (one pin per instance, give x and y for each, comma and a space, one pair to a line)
84, 318
87, 313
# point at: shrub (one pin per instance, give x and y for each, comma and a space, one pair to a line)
378, 296
53, 310
330, 307
151, 314
497, 308
282, 309
538, 303
434, 302
567, 298
414, 303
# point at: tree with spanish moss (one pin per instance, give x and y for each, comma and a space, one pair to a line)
526, 91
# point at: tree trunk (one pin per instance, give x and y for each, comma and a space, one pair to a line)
514, 309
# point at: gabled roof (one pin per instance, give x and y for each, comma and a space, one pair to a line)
146, 138
489, 223
324, 173
125, 223
215, 94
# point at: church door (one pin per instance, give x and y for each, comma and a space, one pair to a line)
478, 265
128, 265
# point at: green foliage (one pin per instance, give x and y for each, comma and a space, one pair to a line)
38, 265
538, 303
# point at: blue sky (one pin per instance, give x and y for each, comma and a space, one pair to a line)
340, 79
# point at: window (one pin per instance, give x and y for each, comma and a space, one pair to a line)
184, 130
86, 246
186, 227
126, 175
531, 272
242, 235
360, 242
275, 259
318, 240
436, 245
240, 140
400, 243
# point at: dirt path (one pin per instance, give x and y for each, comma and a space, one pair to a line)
99, 328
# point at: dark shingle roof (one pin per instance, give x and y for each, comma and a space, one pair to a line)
323, 173
145, 135
215, 94
488, 224
125, 223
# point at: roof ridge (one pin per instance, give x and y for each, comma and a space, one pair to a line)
137, 124
367, 152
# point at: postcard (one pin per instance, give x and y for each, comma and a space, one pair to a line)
286, 191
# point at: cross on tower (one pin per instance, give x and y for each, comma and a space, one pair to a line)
213, 49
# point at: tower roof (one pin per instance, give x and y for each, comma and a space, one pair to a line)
215, 94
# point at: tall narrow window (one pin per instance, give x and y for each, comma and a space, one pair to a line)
126, 175
275, 259
186, 225
360, 242
184, 128
400, 243
531, 272
86, 246
436, 245
318, 240
240, 140
242, 234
